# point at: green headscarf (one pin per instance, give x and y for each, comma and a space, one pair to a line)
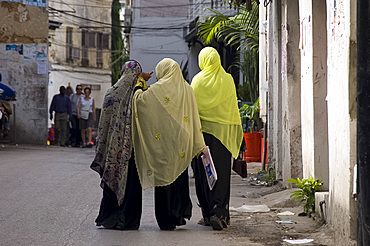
217, 102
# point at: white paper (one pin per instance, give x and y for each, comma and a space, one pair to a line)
286, 213
251, 208
41, 68
209, 168
298, 241
284, 222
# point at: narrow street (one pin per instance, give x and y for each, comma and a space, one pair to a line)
49, 196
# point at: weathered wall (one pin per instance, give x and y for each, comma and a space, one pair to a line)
24, 67
342, 117
274, 88
291, 92
313, 90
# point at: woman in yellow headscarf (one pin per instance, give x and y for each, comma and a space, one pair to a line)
221, 125
166, 136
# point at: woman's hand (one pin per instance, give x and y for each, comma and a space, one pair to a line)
146, 76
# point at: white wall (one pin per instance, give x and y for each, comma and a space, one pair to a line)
64, 76
341, 120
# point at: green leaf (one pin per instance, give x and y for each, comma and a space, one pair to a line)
292, 181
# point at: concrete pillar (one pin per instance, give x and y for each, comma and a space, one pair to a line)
274, 87
291, 92
313, 88
342, 117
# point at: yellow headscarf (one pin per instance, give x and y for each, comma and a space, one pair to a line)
217, 102
166, 127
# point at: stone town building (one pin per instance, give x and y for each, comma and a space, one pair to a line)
79, 52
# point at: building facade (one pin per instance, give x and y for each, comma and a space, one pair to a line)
156, 32
79, 52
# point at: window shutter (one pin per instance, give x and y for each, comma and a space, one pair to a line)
106, 41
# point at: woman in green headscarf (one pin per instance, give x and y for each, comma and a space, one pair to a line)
219, 114
166, 136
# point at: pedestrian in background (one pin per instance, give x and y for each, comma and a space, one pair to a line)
86, 116
61, 105
221, 125
166, 136
121, 204
76, 139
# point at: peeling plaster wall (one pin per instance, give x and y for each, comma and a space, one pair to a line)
24, 68
342, 117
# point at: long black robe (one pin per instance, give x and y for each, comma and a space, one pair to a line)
215, 201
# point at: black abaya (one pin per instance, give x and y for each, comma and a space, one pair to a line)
128, 215
214, 202
172, 203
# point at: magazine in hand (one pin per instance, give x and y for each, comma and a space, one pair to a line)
209, 168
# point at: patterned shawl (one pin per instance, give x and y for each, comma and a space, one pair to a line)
114, 146
166, 127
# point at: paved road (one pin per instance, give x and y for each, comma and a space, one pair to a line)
49, 196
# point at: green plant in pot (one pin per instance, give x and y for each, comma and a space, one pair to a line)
250, 112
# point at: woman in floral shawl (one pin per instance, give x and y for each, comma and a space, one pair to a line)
122, 194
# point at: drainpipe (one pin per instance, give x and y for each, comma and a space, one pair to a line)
363, 123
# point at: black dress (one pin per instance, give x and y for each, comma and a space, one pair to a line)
172, 203
215, 202
128, 215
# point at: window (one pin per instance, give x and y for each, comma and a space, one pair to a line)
76, 53
85, 53
69, 44
106, 41
83, 38
99, 50
91, 40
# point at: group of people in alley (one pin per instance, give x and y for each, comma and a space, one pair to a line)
74, 117
148, 137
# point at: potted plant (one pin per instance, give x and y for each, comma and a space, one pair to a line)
252, 138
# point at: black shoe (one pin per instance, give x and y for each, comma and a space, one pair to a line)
180, 222
168, 228
204, 221
216, 223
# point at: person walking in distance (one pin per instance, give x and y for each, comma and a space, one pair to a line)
61, 105
76, 139
86, 115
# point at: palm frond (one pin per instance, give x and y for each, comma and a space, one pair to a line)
241, 30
